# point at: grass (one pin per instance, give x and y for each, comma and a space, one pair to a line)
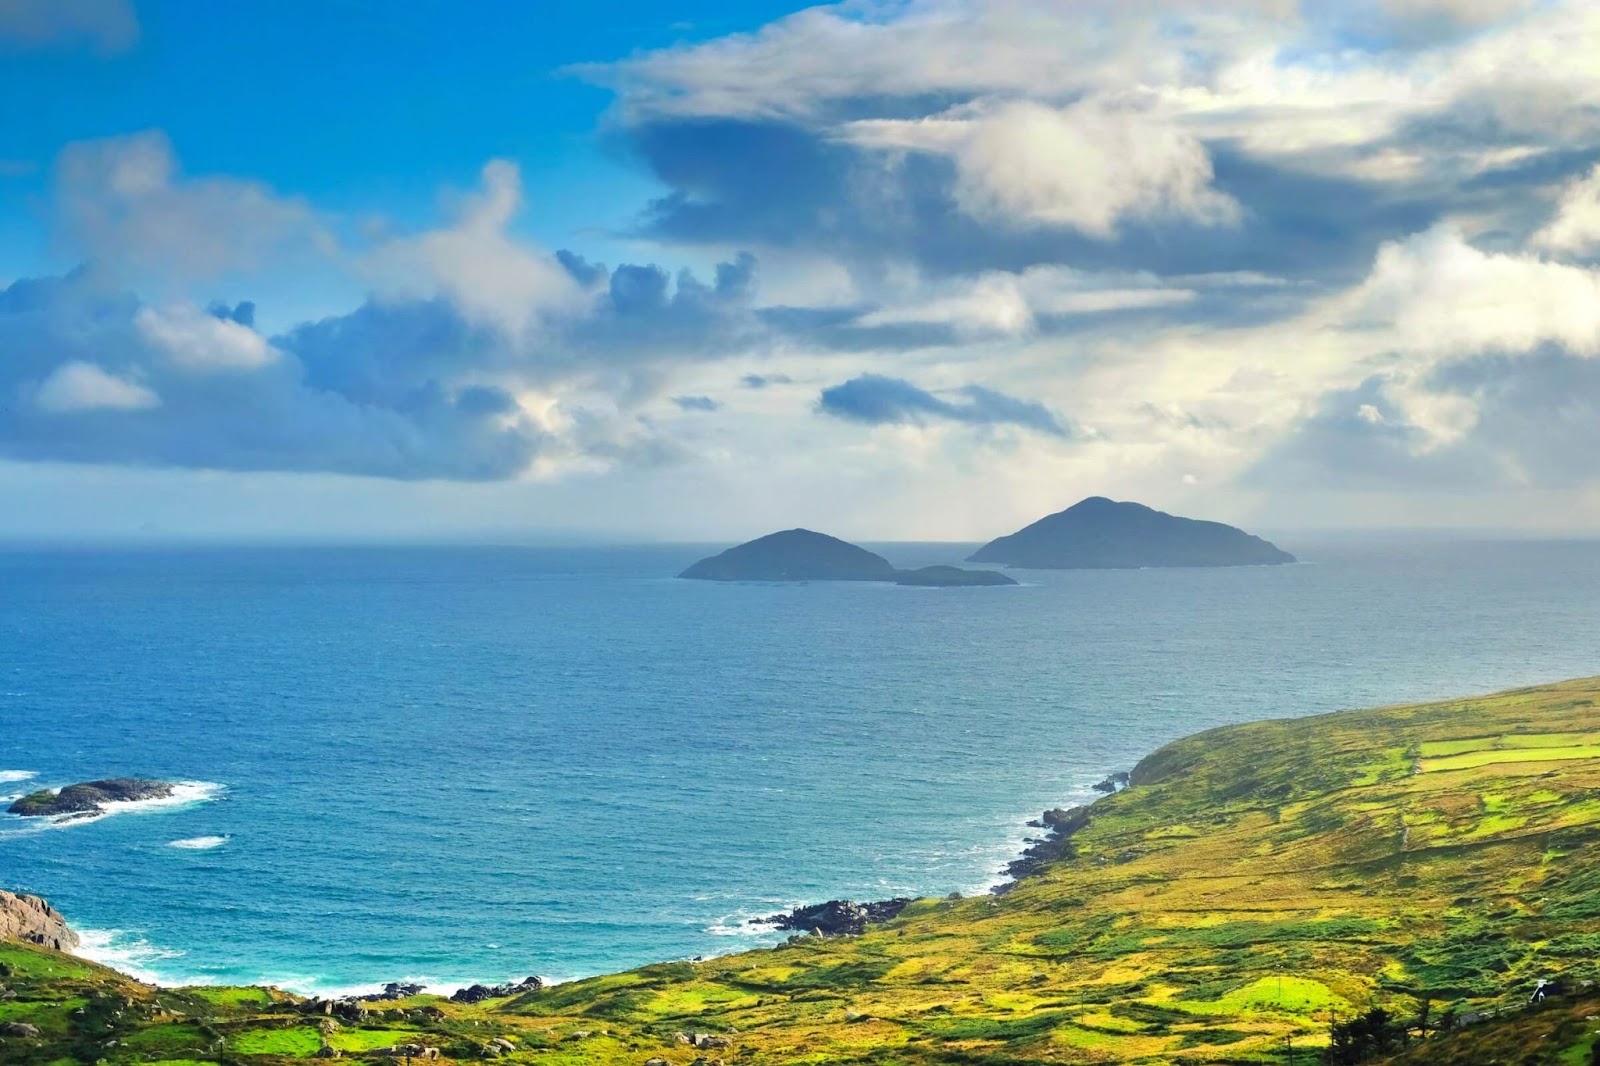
1255, 881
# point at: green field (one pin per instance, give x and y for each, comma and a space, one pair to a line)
1257, 883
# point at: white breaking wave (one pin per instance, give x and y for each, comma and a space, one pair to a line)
198, 843
8, 776
131, 954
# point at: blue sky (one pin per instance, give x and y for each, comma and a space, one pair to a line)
359, 106
891, 268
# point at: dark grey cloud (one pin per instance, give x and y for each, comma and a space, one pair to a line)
877, 400
84, 378
761, 381
1538, 425
696, 403
789, 186
646, 314
394, 388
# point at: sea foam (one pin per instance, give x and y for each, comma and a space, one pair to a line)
198, 843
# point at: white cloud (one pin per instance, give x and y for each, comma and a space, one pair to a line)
105, 25
193, 339
1575, 227
1087, 166
77, 386
1437, 296
1009, 304
477, 264
126, 203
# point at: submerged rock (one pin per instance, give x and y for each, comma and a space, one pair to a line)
89, 797
951, 577
837, 917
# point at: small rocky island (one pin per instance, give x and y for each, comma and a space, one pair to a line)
802, 555
88, 798
1102, 534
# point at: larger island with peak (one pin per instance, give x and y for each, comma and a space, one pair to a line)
1102, 534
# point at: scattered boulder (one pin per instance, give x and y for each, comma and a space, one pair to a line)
837, 917
327, 1051
19, 1029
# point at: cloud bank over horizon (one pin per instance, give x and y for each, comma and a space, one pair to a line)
1296, 261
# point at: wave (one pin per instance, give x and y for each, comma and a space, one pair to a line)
8, 776
131, 954
198, 843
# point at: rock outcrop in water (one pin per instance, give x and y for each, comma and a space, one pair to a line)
1102, 534
837, 917
802, 555
89, 797
31, 919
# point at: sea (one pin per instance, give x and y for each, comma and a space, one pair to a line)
457, 764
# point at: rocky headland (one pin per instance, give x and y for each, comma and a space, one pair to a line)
31, 919
89, 798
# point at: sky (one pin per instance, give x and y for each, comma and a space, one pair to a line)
893, 269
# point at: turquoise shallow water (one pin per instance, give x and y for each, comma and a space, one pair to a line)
457, 764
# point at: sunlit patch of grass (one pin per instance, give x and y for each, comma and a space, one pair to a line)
1472, 759
288, 1042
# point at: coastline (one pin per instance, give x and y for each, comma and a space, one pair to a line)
128, 953
1248, 889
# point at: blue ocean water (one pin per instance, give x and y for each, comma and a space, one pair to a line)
456, 764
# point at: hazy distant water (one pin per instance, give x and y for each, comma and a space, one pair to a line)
458, 764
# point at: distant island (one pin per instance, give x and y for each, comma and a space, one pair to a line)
1102, 534
804, 555
88, 798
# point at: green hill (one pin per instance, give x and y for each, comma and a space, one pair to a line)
1253, 885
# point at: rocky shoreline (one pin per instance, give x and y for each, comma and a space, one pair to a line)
31, 919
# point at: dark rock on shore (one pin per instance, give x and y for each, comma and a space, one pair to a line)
392, 991
1102, 534
1113, 782
950, 577
31, 919
1061, 822
837, 917
89, 797
479, 993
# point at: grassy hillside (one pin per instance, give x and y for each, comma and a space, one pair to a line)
1257, 882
